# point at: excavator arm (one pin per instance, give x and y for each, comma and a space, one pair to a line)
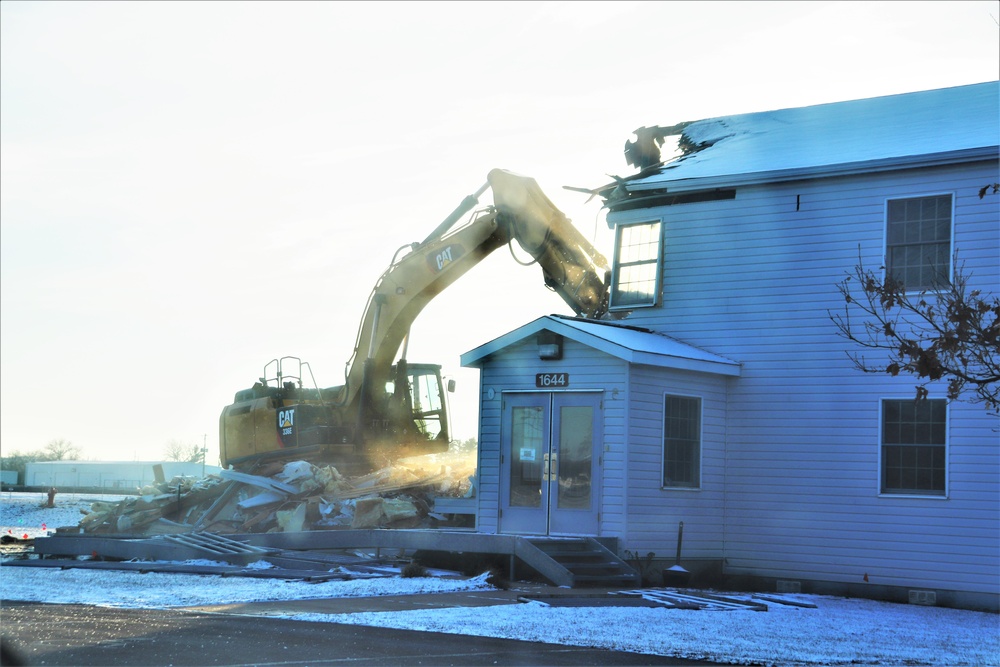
521, 212
570, 264
363, 415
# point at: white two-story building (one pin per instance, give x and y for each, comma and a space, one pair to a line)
725, 398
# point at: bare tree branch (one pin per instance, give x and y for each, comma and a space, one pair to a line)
947, 332
189, 452
60, 450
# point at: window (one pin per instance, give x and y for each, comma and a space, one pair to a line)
918, 241
637, 266
425, 395
527, 437
682, 442
913, 446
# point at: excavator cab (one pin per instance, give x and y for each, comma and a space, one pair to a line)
412, 413
278, 413
428, 401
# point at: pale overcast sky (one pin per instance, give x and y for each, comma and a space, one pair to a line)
190, 189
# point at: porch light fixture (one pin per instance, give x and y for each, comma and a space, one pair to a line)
550, 346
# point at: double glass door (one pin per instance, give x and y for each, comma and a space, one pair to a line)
550, 452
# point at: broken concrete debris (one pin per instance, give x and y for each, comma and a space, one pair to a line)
292, 497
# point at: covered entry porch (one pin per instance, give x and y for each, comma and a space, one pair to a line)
564, 405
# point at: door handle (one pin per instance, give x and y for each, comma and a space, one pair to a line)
553, 467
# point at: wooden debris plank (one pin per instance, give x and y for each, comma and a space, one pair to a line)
142, 517
258, 481
756, 606
703, 601
678, 603
218, 504
695, 600
257, 518
791, 603
261, 499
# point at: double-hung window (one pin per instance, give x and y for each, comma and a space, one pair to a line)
914, 446
918, 241
681, 442
636, 277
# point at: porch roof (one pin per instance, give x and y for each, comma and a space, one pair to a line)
631, 344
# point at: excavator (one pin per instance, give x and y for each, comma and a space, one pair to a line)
389, 408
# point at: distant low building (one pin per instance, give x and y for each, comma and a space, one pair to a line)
8, 477
117, 476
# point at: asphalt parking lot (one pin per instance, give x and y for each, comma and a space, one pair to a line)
82, 636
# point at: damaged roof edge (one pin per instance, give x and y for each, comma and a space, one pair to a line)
783, 175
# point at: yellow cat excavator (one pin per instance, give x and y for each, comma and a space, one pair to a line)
389, 408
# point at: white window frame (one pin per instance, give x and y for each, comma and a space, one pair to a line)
951, 236
881, 453
654, 299
696, 486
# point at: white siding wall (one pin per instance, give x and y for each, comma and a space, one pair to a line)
754, 279
653, 511
514, 369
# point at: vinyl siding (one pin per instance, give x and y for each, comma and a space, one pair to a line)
754, 280
654, 512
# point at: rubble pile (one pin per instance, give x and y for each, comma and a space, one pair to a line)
294, 496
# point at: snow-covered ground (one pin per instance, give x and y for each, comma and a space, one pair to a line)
837, 631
